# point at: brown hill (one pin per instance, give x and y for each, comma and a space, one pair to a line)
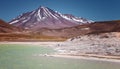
7, 28
106, 26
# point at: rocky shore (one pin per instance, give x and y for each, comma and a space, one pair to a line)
107, 44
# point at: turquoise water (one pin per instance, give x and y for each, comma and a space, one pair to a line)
22, 57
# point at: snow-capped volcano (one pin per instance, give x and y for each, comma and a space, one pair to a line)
44, 17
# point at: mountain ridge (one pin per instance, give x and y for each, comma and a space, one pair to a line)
44, 17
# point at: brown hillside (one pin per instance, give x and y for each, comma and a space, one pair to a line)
7, 28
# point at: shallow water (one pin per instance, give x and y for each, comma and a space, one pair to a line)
65, 63
22, 57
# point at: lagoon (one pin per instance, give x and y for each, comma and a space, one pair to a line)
22, 56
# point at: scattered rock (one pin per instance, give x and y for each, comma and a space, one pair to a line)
100, 44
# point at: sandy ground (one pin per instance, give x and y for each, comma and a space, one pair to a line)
52, 44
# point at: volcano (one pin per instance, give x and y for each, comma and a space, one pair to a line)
44, 17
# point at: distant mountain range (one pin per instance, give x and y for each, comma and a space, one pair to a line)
44, 17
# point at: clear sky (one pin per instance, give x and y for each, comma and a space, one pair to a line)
96, 10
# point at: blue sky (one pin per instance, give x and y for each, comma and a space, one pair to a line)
96, 10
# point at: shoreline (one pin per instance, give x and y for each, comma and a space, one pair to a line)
33, 43
86, 58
